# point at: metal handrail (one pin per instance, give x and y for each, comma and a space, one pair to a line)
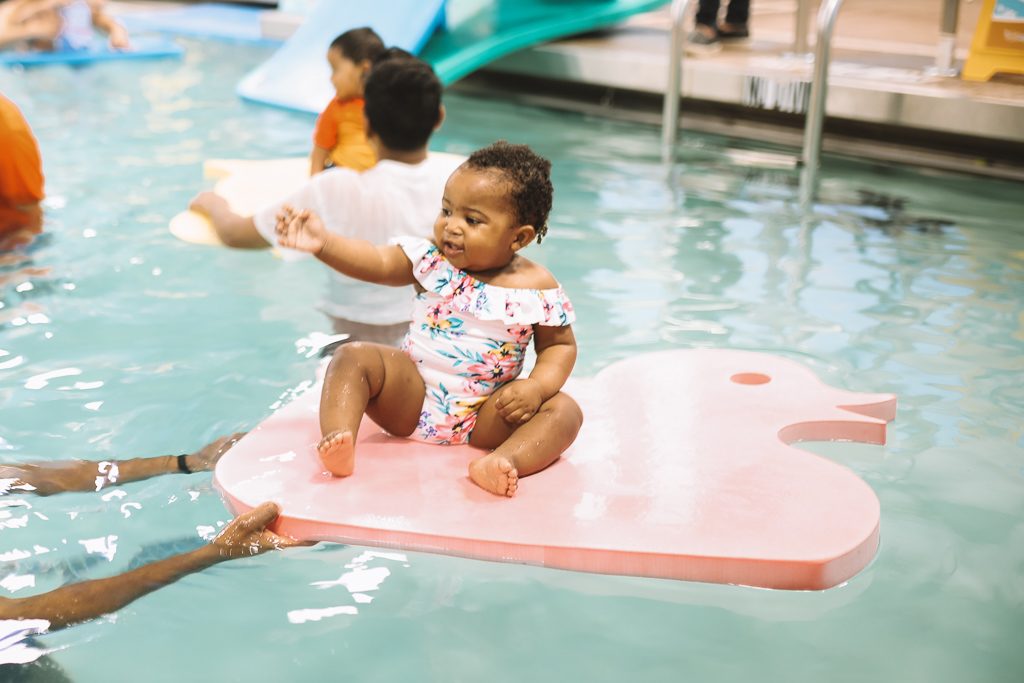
673, 90
819, 86
945, 51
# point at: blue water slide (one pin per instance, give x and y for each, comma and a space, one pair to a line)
456, 37
297, 76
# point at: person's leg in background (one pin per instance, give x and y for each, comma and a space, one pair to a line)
736, 16
707, 13
704, 38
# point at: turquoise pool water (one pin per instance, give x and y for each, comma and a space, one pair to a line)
127, 342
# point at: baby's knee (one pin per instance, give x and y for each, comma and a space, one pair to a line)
359, 356
352, 351
563, 407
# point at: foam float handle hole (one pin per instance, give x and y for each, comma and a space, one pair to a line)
750, 378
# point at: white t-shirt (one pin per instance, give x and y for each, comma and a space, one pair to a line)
390, 200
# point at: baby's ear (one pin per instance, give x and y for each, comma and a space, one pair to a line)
524, 235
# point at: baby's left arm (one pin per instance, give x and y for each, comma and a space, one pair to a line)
556, 355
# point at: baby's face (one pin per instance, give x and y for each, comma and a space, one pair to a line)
346, 75
476, 228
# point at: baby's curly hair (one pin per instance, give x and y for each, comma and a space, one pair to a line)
530, 177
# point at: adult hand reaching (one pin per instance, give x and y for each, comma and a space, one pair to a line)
245, 536
206, 457
248, 535
47, 478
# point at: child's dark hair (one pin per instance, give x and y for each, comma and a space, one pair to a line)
530, 177
403, 100
359, 44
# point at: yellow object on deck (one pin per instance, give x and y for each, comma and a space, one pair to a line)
998, 45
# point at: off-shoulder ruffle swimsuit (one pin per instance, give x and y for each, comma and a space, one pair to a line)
468, 338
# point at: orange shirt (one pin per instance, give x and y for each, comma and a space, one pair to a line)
342, 129
21, 170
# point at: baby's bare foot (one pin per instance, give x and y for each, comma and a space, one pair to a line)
495, 473
338, 453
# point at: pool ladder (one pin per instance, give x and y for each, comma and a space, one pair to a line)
810, 157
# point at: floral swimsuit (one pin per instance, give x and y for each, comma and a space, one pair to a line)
468, 339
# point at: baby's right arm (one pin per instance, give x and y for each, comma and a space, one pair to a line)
304, 231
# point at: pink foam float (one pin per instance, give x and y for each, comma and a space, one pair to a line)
683, 470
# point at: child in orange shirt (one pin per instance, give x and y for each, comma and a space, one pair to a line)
339, 138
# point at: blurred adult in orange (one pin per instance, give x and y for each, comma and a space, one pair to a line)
21, 179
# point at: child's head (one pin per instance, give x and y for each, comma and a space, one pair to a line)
403, 101
528, 180
494, 205
351, 55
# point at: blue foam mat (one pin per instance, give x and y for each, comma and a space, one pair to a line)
297, 76
143, 47
205, 20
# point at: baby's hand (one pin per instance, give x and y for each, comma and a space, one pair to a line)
302, 230
518, 401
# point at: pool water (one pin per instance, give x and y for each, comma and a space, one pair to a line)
117, 340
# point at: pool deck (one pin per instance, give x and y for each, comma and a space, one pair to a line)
882, 87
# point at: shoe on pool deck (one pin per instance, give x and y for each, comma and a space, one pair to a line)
739, 33
700, 43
